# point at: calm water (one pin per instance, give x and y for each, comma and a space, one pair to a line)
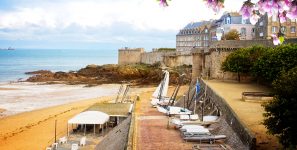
13, 64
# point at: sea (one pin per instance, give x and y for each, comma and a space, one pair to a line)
14, 63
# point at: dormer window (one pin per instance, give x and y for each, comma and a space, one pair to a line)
228, 20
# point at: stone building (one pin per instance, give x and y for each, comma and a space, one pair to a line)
229, 21
195, 34
266, 26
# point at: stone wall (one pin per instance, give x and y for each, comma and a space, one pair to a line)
117, 138
213, 62
178, 60
152, 57
169, 58
129, 56
207, 62
245, 135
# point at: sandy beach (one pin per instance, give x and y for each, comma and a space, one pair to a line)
35, 129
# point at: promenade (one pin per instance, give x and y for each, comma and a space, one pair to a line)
151, 127
250, 113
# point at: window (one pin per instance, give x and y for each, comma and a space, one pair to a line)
243, 31
261, 34
206, 31
244, 21
293, 29
228, 20
253, 30
274, 29
261, 23
283, 29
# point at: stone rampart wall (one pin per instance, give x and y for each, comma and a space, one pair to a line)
129, 56
152, 57
117, 138
177, 60
245, 135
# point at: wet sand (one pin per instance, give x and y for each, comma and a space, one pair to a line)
23, 97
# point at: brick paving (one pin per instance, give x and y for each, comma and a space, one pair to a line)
151, 128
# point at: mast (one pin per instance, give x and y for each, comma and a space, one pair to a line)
125, 93
174, 94
119, 93
161, 87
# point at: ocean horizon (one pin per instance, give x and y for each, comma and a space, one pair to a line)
14, 63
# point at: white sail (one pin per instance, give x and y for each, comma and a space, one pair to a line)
165, 83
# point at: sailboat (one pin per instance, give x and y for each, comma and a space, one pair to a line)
204, 120
160, 94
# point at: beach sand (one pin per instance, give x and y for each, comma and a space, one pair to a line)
35, 129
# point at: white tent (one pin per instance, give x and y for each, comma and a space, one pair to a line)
89, 117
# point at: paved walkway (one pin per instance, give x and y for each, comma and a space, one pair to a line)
151, 128
250, 113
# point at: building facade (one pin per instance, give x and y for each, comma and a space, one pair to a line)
266, 26
194, 35
230, 21
201, 34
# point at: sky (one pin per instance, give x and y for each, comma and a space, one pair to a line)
99, 24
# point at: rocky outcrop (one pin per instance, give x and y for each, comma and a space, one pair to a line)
94, 75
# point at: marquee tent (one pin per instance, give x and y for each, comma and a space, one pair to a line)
89, 117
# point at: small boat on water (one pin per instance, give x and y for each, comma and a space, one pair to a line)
9, 48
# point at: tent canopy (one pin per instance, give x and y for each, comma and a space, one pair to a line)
89, 117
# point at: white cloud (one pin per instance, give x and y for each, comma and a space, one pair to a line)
43, 20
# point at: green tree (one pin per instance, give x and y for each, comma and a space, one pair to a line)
242, 60
281, 112
269, 66
237, 62
231, 35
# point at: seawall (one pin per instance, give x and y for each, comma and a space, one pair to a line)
231, 118
117, 138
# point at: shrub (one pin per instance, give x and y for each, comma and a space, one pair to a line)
231, 35
274, 61
281, 112
242, 60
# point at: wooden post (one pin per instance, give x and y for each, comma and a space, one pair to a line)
85, 129
55, 131
94, 129
67, 130
100, 127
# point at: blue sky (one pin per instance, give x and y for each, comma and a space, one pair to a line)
98, 24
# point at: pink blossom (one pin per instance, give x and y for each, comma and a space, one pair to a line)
292, 13
276, 40
284, 5
163, 3
246, 11
282, 17
215, 5
254, 19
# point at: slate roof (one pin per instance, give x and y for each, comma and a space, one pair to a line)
194, 25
